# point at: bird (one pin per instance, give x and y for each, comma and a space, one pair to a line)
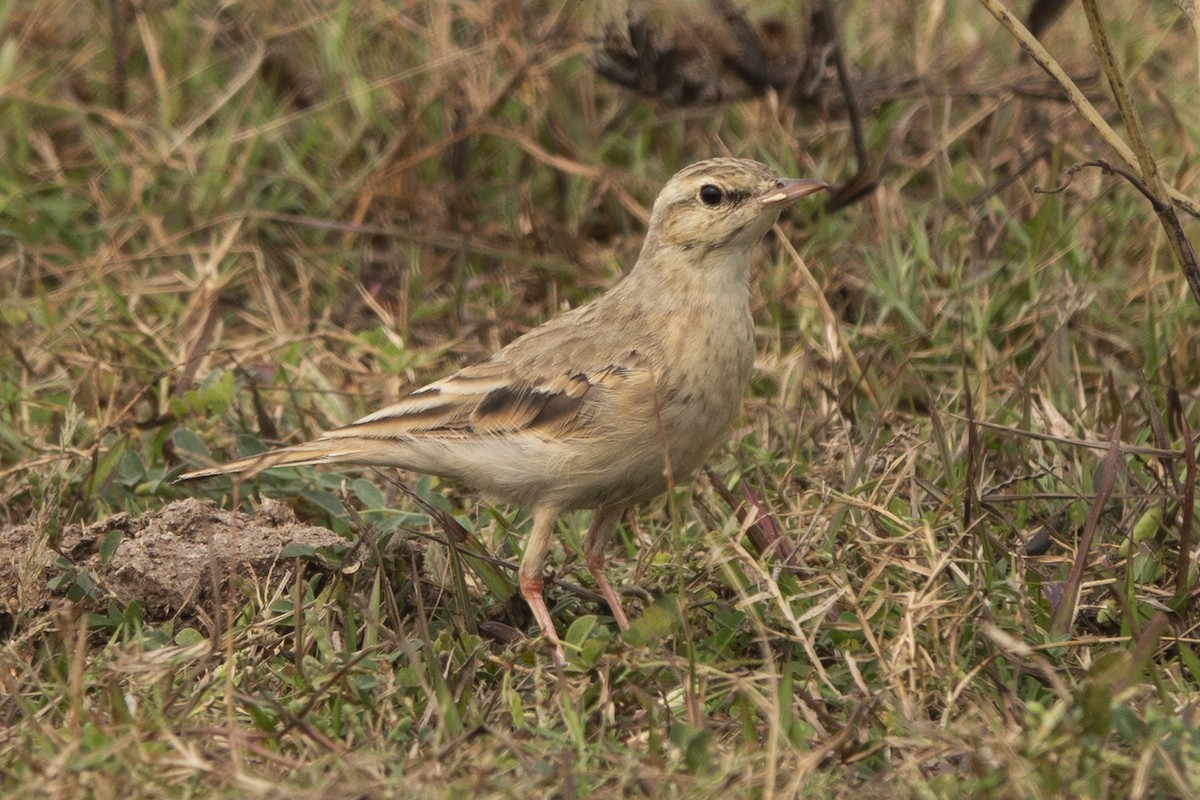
604, 406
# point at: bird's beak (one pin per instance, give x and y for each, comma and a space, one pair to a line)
788, 189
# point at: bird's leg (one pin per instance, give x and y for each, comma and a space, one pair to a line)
532, 582
604, 522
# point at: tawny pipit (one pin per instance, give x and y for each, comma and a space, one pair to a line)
606, 405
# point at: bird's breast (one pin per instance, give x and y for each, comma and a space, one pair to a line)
703, 384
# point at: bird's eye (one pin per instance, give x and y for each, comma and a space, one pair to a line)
711, 195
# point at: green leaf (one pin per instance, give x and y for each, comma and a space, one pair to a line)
660, 620
695, 745
105, 466
189, 445
298, 550
368, 494
1096, 694
109, 545
189, 636
326, 501
1145, 528
587, 640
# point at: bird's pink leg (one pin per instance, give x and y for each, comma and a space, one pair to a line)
532, 582
604, 522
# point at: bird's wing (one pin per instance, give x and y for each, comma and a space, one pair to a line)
479, 405
491, 399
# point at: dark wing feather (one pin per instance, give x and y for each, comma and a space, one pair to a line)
483, 400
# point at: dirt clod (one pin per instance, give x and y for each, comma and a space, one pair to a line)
165, 559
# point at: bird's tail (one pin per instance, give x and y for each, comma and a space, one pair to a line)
320, 451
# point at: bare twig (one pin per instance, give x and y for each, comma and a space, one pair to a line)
1107, 169
839, 61
1042, 57
1140, 450
1154, 186
1178, 240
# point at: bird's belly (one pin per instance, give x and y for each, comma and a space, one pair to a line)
623, 467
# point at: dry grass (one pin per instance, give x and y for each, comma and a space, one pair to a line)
237, 225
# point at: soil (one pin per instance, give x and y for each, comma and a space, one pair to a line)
168, 560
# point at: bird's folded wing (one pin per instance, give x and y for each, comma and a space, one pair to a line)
476, 405
487, 399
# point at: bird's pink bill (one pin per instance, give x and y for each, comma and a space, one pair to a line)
793, 189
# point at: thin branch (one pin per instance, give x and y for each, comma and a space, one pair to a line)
1042, 57
1157, 188
843, 74
1107, 169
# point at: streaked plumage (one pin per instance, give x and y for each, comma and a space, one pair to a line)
591, 409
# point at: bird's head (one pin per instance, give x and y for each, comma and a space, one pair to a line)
722, 204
